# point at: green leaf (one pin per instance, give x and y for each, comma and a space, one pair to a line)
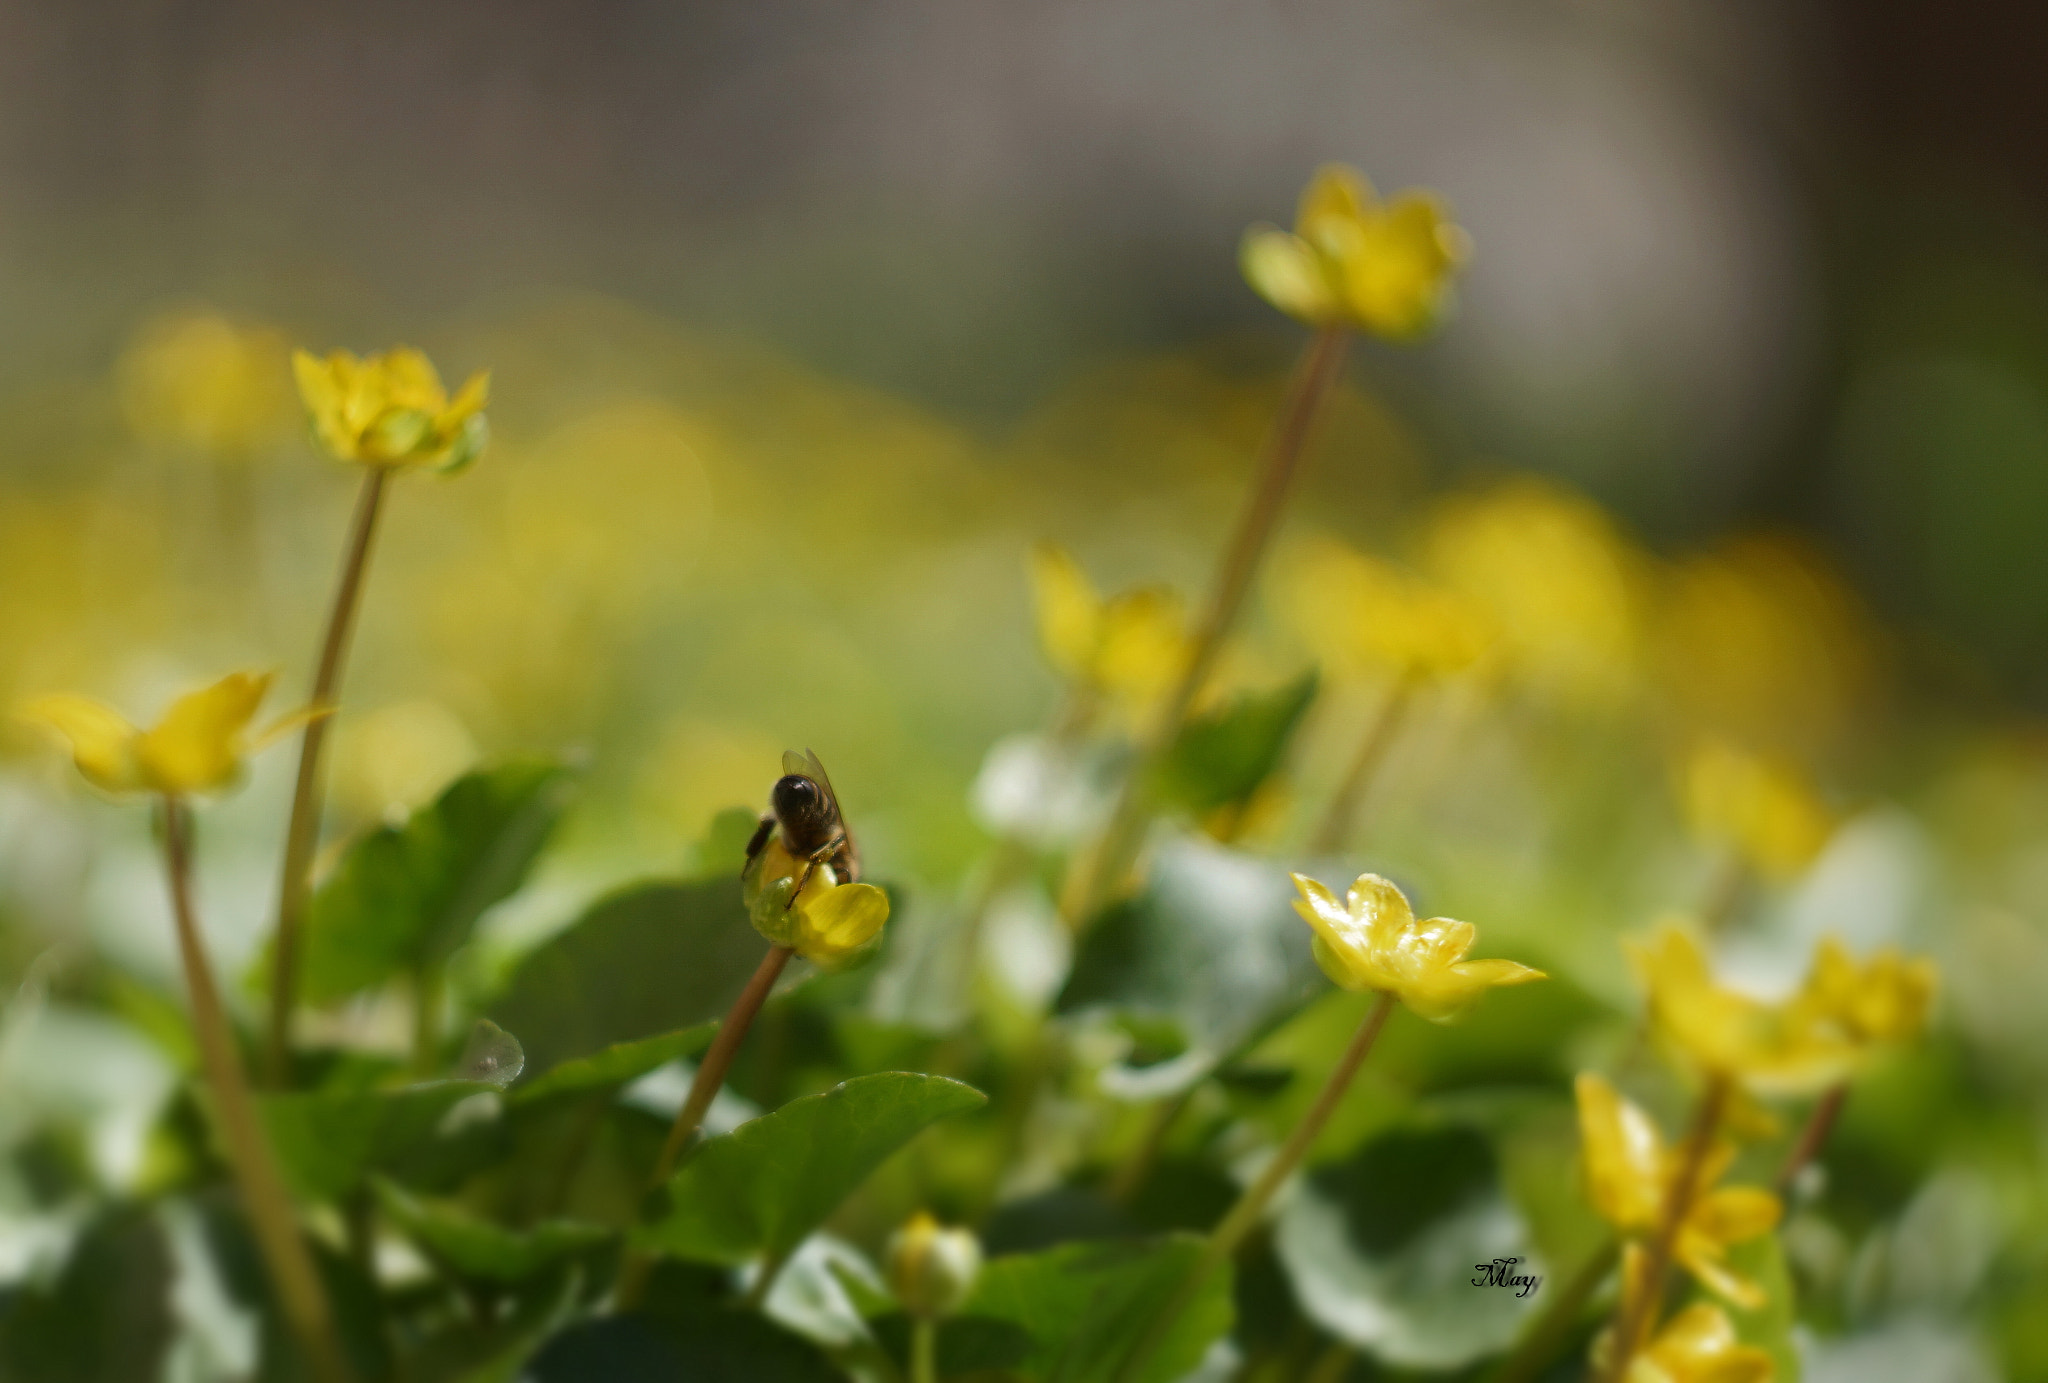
1769, 1327
476, 1247
761, 1188
107, 1316
1086, 1306
1212, 944
615, 1065
708, 1345
328, 1140
722, 853
649, 959
407, 896
1224, 756
1383, 1247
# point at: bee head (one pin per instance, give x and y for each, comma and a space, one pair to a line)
800, 804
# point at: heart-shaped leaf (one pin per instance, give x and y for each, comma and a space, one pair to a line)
327, 1140
478, 1248
1086, 1306
410, 895
761, 1188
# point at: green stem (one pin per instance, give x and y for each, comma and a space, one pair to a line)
302, 835
704, 1088
1110, 863
1342, 821
924, 1350
299, 1289
1251, 1206
429, 993
1545, 1338
1641, 1300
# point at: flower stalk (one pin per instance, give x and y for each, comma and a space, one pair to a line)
1251, 1206
704, 1088
1315, 373
1341, 823
1643, 1293
302, 835
1813, 1137
269, 1208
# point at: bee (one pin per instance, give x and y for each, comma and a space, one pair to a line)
804, 813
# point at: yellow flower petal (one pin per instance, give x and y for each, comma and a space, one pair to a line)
1336, 192
1069, 610
1699, 1345
1285, 270
1372, 941
1622, 1154
197, 746
840, 922
102, 741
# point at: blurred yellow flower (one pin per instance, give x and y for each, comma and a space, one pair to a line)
931, 1268
198, 746
1766, 808
1760, 641
832, 925
389, 409
1353, 260
1630, 1173
1130, 648
1359, 613
1561, 585
197, 379
1699, 1345
1881, 1003
1773, 1049
1372, 940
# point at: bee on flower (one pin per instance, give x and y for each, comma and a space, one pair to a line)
1383, 267
390, 409
1370, 940
802, 877
199, 745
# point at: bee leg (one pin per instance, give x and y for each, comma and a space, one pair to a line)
812, 861
759, 842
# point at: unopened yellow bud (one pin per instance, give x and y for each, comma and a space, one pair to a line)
932, 1268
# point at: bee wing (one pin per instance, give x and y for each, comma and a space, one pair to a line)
815, 771
793, 762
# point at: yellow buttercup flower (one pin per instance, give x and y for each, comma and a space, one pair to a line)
389, 409
1630, 1172
1352, 260
1130, 648
833, 925
1766, 808
198, 746
1699, 1345
1564, 588
1372, 940
1878, 1004
1360, 613
1780, 1049
197, 379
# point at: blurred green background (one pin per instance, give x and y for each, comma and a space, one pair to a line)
806, 320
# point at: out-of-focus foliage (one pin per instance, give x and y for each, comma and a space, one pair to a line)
576, 670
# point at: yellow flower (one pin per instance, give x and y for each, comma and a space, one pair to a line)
197, 379
1355, 261
1780, 1049
1371, 940
1130, 648
1629, 1173
1878, 1004
1554, 576
833, 925
198, 746
931, 1268
1699, 1345
1766, 808
1358, 612
389, 409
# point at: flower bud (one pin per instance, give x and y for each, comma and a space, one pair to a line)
932, 1268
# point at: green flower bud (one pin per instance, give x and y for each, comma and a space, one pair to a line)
932, 1268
